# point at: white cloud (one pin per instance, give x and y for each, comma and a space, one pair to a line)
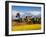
21, 13
15, 12
34, 12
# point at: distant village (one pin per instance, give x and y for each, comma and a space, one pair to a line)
27, 19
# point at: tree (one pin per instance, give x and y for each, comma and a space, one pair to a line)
18, 15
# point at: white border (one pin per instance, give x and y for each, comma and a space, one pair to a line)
30, 31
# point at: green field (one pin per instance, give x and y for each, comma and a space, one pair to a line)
24, 27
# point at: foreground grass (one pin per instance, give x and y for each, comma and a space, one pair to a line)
26, 27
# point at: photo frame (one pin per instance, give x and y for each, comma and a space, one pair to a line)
24, 18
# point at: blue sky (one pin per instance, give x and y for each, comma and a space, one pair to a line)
26, 10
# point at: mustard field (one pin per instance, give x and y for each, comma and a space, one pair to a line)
25, 27
16, 27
